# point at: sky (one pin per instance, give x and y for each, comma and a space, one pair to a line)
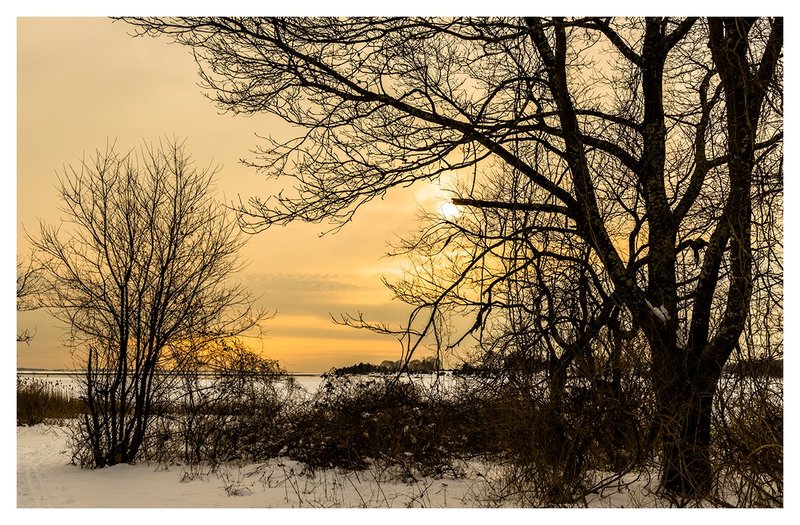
84, 82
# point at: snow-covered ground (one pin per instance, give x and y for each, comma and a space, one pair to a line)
45, 479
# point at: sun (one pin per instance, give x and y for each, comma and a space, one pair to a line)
449, 211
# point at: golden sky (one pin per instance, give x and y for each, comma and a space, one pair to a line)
82, 82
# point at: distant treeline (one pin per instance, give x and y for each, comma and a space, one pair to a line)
765, 367
427, 365
430, 365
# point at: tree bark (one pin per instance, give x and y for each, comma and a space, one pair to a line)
686, 439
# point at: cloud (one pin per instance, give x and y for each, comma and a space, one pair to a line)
303, 283
322, 295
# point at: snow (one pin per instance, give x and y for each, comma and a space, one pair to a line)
45, 479
659, 311
70, 381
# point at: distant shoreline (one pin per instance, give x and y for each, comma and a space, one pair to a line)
62, 372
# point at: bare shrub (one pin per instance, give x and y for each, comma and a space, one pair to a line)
748, 440
556, 452
229, 406
221, 406
354, 421
550, 454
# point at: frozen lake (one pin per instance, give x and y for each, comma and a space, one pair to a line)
69, 381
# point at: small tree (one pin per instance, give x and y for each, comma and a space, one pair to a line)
142, 268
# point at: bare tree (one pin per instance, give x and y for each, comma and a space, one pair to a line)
142, 267
647, 161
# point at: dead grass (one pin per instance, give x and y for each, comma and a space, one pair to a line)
42, 400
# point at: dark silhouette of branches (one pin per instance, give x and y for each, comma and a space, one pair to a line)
139, 267
613, 172
30, 287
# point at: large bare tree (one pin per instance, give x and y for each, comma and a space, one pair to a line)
641, 140
139, 267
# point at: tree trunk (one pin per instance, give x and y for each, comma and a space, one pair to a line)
684, 395
686, 467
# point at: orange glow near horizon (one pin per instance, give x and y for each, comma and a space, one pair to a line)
84, 82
